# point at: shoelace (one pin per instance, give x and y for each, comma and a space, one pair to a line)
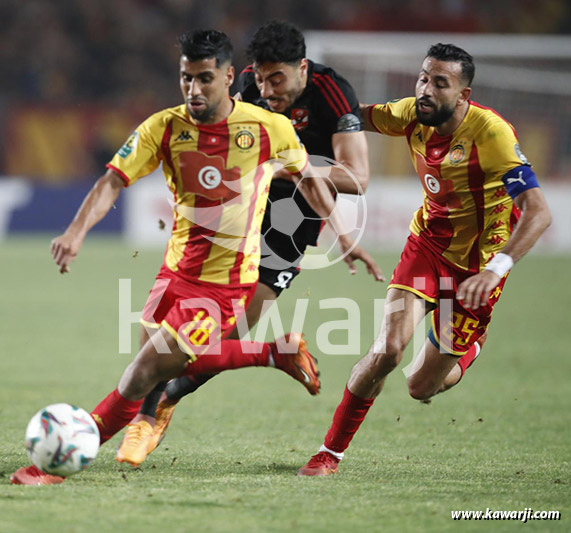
138, 433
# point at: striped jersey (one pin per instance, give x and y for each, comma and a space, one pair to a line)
467, 214
219, 175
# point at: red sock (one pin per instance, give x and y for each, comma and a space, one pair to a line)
233, 355
346, 421
467, 359
113, 414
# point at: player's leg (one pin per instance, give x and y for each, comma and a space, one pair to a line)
115, 411
139, 379
265, 292
466, 331
430, 370
403, 311
188, 384
270, 286
162, 401
254, 311
289, 354
463, 363
151, 400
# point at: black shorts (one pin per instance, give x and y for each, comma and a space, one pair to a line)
278, 280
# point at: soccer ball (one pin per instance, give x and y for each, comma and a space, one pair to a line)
62, 439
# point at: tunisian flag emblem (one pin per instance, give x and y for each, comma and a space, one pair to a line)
207, 176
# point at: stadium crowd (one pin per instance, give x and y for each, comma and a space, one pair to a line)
77, 75
109, 51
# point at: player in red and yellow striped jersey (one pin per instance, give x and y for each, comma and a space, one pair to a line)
218, 174
464, 239
216, 156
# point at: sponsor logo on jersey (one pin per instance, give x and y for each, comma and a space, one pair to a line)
457, 154
519, 179
520, 155
129, 146
244, 139
184, 136
300, 119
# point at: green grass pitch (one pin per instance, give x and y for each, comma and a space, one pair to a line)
500, 440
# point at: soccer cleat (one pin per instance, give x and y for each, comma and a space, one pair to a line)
133, 449
32, 475
321, 464
165, 410
300, 365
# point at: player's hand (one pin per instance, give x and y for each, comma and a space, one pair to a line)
358, 253
64, 250
475, 291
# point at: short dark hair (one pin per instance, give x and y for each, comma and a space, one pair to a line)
450, 52
197, 45
277, 42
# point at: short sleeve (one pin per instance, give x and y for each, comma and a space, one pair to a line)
393, 117
139, 155
338, 103
498, 148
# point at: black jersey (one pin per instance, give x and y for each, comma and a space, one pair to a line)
327, 105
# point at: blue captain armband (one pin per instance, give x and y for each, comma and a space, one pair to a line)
520, 179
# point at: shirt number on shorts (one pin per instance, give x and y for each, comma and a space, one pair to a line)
200, 328
283, 279
466, 325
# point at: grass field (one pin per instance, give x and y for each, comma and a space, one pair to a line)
500, 440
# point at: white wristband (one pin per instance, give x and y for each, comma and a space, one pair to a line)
500, 264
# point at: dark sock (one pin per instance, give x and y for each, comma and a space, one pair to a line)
179, 387
151, 401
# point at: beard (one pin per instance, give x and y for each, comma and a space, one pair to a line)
438, 115
204, 115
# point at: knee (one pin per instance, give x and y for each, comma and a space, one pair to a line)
390, 353
384, 362
420, 390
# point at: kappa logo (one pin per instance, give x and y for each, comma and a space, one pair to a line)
184, 136
419, 136
519, 179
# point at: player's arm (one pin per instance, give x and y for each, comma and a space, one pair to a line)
351, 150
366, 117
95, 206
534, 220
319, 198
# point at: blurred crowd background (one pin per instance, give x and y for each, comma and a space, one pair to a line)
78, 76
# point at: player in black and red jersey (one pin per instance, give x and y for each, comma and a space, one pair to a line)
325, 113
